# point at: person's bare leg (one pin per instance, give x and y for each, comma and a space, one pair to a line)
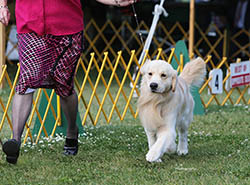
21, 108
70, 107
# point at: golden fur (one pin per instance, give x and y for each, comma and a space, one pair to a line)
165, 103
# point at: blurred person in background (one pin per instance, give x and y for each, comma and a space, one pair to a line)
238, 18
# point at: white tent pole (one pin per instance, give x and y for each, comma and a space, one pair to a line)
158, 10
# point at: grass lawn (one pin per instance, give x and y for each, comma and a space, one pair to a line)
219, 150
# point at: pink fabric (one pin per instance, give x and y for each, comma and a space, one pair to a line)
56, 17
48, 61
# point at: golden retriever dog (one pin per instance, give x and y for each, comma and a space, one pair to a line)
166, 105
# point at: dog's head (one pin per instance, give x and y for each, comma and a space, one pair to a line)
159, 76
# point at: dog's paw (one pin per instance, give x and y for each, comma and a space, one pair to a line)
182, 151
171, 149
158, 161
153, 156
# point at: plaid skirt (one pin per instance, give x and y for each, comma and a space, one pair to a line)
48, 61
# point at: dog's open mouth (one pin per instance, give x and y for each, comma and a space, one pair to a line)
154, 91
158, 91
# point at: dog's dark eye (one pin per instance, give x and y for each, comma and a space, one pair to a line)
150, 74
163, 75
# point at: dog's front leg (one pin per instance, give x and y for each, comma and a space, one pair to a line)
151, 136
165, 141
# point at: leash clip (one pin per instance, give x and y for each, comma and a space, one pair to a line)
159, 10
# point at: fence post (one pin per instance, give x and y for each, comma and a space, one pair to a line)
225, 45
2, 49
191, 27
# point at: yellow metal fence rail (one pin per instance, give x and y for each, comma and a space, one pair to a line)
104, 77
105, 94
241, 94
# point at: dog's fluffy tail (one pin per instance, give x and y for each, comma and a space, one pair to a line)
194, 72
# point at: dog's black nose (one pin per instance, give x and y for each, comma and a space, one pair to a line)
153, 86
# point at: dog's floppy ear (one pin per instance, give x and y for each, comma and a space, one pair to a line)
174, 81
143, 69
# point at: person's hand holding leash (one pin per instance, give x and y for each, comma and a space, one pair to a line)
124, 2
117, 2
4, 14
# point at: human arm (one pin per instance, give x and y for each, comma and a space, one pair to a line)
117, 2
4, 12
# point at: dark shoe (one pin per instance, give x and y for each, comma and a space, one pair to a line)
70, 147
11, 148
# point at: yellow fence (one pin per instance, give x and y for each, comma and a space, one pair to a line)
104, 80
106, 91
231, 96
